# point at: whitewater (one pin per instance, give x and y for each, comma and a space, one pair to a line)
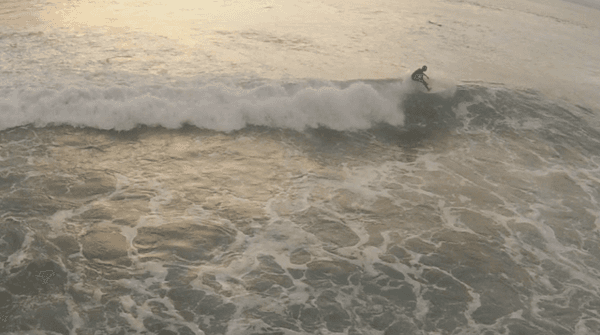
268, 167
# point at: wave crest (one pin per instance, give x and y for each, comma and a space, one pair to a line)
346, 106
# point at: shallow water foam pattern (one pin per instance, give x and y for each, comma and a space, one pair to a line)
479, 216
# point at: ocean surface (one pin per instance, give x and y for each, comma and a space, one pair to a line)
263, 167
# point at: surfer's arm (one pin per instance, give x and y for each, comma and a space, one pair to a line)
426, 75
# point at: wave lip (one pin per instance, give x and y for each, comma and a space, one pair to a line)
218, 107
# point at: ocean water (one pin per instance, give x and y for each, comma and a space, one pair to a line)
268, 167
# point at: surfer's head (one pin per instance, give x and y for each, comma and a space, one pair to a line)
424, 68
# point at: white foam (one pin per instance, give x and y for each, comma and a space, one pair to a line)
216, 106
57, 222
127, 303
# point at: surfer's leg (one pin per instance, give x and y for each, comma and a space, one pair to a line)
427, 87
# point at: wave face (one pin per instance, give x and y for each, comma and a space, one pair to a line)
364, 207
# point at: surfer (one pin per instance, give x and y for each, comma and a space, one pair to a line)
418, 76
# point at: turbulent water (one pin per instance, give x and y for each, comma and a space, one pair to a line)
249, 168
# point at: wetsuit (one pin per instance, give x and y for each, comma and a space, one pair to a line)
418, 76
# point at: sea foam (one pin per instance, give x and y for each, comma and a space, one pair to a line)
215, 106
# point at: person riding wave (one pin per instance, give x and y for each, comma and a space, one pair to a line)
418, 76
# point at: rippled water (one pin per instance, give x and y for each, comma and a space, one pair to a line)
154, 181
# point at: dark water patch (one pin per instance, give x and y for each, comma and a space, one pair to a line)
186, 240
37, 277
482, 225
12, 235
399, 293
267, 283
11, 181
328, 230
388, 271
335, 317
53, 318
296, 273
17, 134
210, 312
83, 186
67, 244
330, 273
448, 301
276, 320
300, 256
40, 285
491, 272
431, 111
268, 264
396, 254
106, 244
28, 203
401, 327
7, 309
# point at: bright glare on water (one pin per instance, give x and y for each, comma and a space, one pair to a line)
269, 167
